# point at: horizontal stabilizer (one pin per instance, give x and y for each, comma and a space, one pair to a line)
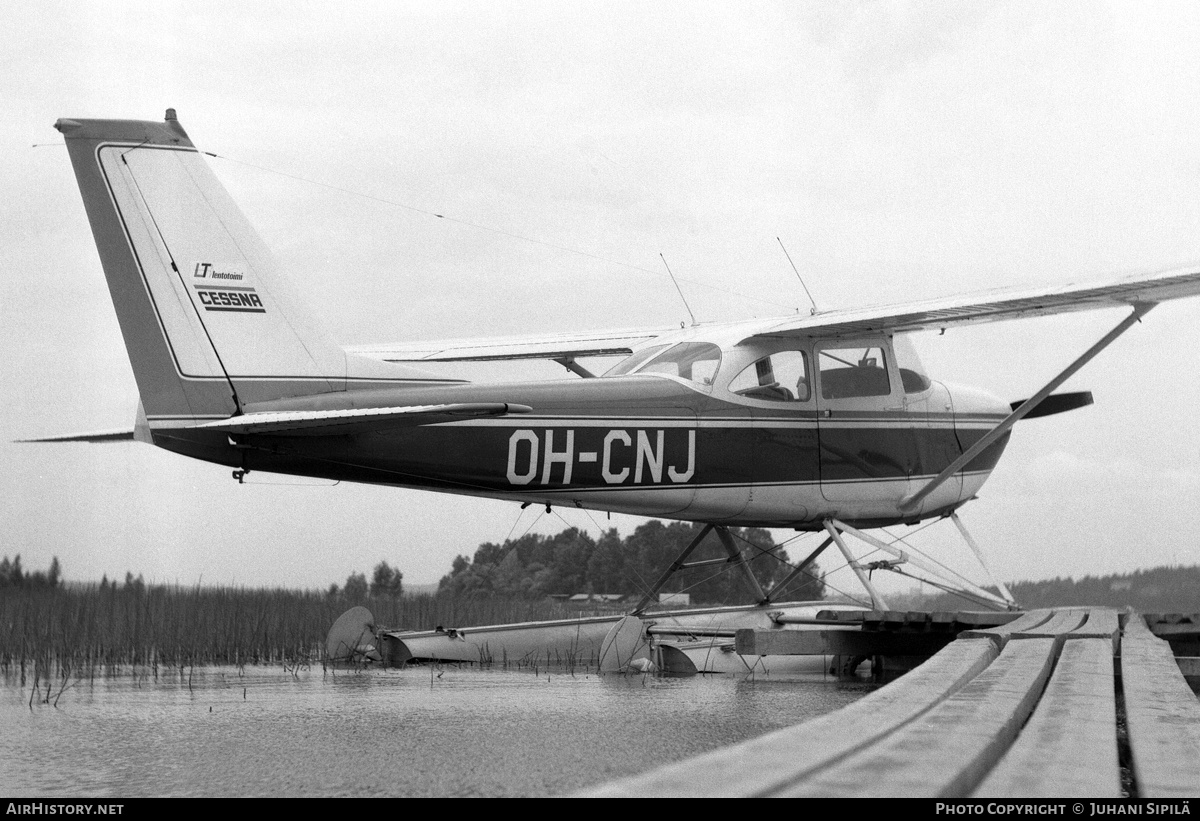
124, 435
359, 420
1056, 403
556, 346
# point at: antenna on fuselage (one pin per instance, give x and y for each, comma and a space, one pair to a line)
802, 285
677, 288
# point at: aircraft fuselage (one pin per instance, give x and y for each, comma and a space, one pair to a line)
645, 445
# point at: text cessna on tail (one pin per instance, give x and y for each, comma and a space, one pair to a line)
819, 422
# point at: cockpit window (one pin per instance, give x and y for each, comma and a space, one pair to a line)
853, 372
780, 377
630, 363
694, 361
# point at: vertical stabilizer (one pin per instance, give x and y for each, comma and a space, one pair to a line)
209, 322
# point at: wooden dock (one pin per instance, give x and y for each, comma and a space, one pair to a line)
1074, 702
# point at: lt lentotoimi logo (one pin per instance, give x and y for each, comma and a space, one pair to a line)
215, 295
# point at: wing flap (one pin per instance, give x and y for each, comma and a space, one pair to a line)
601, 343
357, 420
992, 306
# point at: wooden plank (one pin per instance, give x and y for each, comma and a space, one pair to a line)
980, 618
1059, 626
766, 764
948, 750
1068, 749
1000, 633
750, 642
1162, 716
1102, 623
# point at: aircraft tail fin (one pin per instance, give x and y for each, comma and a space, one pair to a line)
209, 322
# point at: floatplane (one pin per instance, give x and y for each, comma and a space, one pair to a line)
826, 422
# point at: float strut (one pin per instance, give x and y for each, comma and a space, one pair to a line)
800, 568
877, 601
652, 593
739, 558
1012, 603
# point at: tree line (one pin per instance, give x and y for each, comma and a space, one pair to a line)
13, 575
572, 562
1172, 589
387, 582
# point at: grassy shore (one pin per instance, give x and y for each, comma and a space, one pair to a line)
91, 630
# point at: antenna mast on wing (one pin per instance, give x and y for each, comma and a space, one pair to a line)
802, 285
677, 288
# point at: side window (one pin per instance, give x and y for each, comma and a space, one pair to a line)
780, 377
853, 372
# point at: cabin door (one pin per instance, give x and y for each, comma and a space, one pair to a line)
867, 436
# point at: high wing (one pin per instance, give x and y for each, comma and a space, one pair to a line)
559, 346
983, 306
358, 420
991, 306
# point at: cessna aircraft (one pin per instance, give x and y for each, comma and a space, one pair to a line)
822, 422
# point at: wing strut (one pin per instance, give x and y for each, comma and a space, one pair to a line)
570, 364
911, 501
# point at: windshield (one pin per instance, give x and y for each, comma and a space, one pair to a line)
694, 361
629, 363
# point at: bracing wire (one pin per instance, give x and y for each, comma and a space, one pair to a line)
922, 553
498, 231
771, 552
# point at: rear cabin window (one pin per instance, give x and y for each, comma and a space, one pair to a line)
780, 377
914, 381
912, 375
852, 372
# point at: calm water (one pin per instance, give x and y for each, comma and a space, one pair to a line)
469, 732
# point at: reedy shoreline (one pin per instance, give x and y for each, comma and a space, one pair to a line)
92, 630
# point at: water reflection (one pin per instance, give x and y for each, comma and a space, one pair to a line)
447, 731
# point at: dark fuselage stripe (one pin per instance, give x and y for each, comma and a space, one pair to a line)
524, 459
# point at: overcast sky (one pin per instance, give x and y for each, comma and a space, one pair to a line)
900, 150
